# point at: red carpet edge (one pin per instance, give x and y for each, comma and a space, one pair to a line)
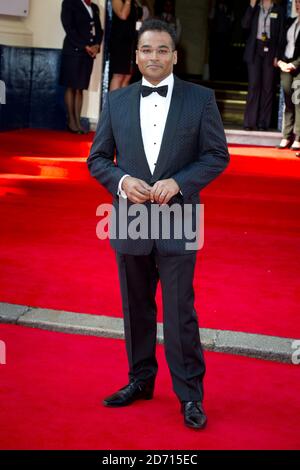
272, 348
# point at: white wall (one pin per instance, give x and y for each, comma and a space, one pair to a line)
42, 28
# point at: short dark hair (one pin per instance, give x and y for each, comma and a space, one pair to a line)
158, 25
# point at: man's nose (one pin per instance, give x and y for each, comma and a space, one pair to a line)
154, 54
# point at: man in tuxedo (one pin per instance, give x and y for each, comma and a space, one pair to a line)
169, 143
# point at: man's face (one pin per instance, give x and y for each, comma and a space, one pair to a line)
155, 56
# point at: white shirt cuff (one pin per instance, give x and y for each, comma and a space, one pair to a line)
121, 192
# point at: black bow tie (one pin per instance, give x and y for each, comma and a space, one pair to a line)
161, 90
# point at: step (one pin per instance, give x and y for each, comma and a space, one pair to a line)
257, 138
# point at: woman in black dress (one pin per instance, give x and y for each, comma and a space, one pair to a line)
123, 41
81, 22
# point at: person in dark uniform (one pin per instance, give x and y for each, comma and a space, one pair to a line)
81, 22
264, 21
123, 41
289, 64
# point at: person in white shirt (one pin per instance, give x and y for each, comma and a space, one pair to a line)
158, 143
289, 64
264, 22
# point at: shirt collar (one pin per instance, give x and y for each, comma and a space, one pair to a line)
86, 5
167, 81
269, 9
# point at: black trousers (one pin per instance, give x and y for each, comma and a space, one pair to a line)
139, 276
261, 74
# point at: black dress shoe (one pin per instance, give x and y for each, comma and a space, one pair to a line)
135, 390
193, 413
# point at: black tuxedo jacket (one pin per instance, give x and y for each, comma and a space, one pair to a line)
283, 43
250, 23
78, 26
193, 151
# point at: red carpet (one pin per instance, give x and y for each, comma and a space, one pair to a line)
247, 277
53, 383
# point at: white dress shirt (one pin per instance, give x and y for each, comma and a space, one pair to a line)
264, 22
292, 34
154, 111
89, 8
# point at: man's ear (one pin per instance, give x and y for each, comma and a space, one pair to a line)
175, 57
136, 57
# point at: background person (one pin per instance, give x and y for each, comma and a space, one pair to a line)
264, 21
81, 22
122, 43
289, 64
